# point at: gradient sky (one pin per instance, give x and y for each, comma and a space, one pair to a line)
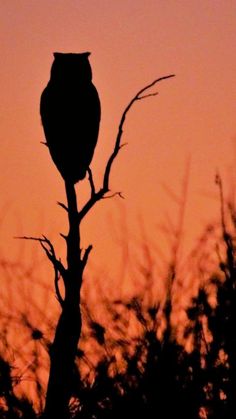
192, 118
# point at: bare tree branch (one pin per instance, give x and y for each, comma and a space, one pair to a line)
59, 268
96, 196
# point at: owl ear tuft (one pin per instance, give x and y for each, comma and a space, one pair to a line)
60, 54
57, 54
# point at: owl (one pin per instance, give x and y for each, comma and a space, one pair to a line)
70, 112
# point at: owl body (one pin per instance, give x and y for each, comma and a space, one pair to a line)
70, 112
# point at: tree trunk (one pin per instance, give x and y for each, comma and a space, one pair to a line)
64, 347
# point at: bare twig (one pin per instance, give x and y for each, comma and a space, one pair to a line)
56, 284
59, 268
86, 255
63, 206
96, 196
64, 236
226, 235
114, 194
92, 186
148, 95
218, 182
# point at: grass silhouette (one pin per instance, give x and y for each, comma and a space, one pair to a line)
139, 357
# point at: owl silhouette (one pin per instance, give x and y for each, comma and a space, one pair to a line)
70, 112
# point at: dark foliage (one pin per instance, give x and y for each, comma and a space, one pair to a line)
141, 371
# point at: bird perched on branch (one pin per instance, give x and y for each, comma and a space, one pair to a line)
70, 113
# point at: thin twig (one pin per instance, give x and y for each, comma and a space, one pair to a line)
218, 182
92, 186
114, 194
230, 272
62, 205
59, 268
86, 255
148, 95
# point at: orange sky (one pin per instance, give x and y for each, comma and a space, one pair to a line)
132, 43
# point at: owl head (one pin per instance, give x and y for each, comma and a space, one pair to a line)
72, 67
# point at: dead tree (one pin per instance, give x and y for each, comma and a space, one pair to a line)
64, 347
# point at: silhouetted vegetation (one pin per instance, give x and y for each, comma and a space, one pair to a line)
140, 355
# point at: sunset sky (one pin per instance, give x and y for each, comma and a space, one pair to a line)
191, 120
